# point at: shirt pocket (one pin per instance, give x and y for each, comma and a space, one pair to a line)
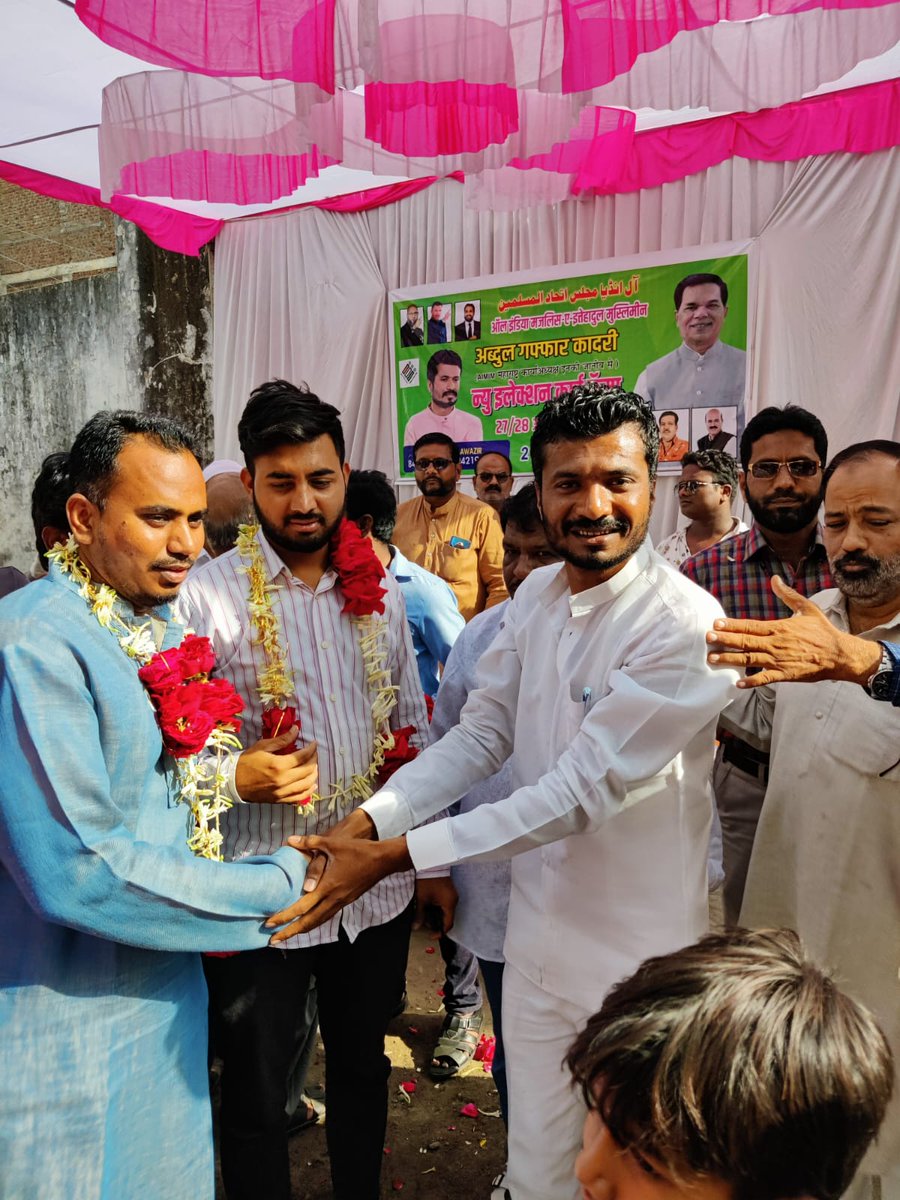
865, 734
458, 564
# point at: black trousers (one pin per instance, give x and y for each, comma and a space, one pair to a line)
254, 1001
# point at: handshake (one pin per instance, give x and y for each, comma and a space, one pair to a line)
343, 865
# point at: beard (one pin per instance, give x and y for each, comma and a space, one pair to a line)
879, 579
596, 559
786, 520
305, 543
435, 486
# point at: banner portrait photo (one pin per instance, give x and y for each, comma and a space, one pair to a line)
476, 359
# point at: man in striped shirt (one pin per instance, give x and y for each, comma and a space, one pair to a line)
297, 478
783, 453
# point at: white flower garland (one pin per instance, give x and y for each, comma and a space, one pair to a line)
275, 685
201, 783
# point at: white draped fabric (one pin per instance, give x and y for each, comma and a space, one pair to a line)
303, 294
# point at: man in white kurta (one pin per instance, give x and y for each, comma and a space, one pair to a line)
602, 698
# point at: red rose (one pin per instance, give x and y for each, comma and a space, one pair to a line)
276, 721
184, 722
197, 657
162, 673
402, 753
222, 702
429, 706
359, 571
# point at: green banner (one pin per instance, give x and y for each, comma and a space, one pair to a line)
478, 364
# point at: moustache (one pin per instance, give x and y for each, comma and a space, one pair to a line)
856, 560
605, 525
313, 516
173, 564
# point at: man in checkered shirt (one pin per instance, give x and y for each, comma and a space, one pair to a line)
783, 454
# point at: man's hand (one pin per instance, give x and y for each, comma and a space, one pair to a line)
357, 824
352, 866
800, 649
436, 893
263, 776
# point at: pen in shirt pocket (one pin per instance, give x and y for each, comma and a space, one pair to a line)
586, 694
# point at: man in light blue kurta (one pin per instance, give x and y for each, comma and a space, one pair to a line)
103, 1083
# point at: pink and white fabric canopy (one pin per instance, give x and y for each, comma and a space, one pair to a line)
182, 113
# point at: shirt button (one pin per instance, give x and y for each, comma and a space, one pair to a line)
699, 393
332, 697
819, 716
325, 644
342, 749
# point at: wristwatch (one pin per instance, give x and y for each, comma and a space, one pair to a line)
878, 685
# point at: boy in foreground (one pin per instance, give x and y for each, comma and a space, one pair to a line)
733, 1069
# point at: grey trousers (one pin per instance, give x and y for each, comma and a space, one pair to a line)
739, 799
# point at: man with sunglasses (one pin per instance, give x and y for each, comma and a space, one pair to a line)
705, 490
450, 534
493, 479
783, 452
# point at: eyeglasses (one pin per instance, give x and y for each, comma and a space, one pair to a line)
799, 468
439, 464
689, 486
487, 476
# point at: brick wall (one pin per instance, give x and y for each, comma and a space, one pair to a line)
37, 232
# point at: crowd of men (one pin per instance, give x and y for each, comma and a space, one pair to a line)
556, 812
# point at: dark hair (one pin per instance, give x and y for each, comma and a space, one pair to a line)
695, 281
437, 439
588, 411
49, 494
667, 413
98, 444
721, 466
521, 509
499, 454
737, 1058
774, 420
860, 450
279, 413
449, 357
370, 494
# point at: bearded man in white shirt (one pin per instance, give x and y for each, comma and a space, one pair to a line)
828, 843
598, 688
313, 634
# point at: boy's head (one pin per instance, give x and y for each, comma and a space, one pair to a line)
734, 1069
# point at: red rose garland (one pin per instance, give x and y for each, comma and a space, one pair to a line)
359, 575
189, 705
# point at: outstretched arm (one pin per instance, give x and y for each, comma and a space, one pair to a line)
803, 648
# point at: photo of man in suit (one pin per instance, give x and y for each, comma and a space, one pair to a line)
411, 331
468, 329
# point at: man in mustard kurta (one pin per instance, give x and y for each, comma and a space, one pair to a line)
451, 534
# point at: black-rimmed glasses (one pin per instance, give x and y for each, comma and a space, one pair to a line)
487, 476
439, 464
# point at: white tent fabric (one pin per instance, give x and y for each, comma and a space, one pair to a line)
302, 295
53, 72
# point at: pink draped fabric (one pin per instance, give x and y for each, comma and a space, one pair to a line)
270, 39
222, 178
603, 38
860, 120
440, 118
245, 141
173, 230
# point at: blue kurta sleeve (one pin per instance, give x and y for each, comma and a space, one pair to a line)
89, 830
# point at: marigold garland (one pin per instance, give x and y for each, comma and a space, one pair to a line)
359, 574
192, 711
